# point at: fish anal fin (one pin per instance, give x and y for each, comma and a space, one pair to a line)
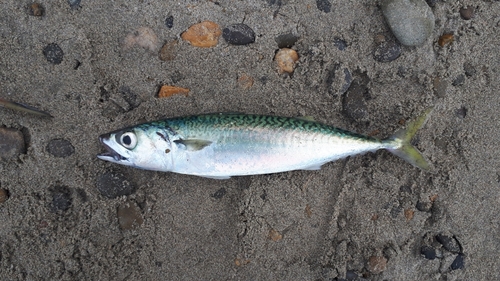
194, 144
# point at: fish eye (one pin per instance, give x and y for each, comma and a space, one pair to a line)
128, 140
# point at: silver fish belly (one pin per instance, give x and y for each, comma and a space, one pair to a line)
225, 145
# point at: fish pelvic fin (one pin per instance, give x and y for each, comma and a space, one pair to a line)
399, 144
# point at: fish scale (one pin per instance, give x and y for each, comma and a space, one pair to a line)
224, 145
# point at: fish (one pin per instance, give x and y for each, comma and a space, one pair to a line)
222, 145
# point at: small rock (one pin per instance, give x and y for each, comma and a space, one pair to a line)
431, 3
458, 263
168, 91
36, 9
445, 39
60, 148
112, 185
275, 235
4, 195
409, 213
169, 21
351, 275
347, 81
459, 80
112, 110
428, 252
411, 21
424, 206
238, 34
386, 50
61, 198
376, 264
143, 37
339, 43
245, 81
204, 34
130, 98
449, 243
168, 51
219, 193
324, 5
469, 69
129, 216
53, 53
353, 101
467, 12
461, 112
440, 87
74, 4
286, 40
11, 143
286, 59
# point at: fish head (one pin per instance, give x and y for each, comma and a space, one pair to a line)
139, 147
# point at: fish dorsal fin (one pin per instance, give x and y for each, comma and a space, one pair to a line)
193, 144
306, 118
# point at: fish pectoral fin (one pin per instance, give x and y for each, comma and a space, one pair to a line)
193, 144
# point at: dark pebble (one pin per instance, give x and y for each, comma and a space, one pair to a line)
324, 5
431, 3
129, 216
351, 275
61, 198
60, 148
469, 69
347, 81
449, 243
428, 252
286, 40
112, 185
74, 4
437, 212
168, 51
53, 53
4, 195
238, 34
467, 12
461, 112
82, 194
458, 263
440, 86
132, 99
219, 193
339, 43
169, 21
36, 9
424, 206
387, 51
11, 143
459, 80
353, 101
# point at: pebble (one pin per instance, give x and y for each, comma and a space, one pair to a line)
204, 34
459, 80
286, 59
424, 206
219, 193
440, 87
458, 263
469, 69
275, 235
74, 4
168, 91
11, 143
113, 185
409, 213
36, 9
445, 39
324, 5
386, 50
431, 3
143, 37
130, 97
353, 101
61, 198
450, 243
351, 275
376, 264
168, 51
129, 216
347, 81
461, 112
245, 81
339, 43
53, 53
60, 148
467, 13
411, 21
286, 40
238, 34
4, 195
169, 21
428, 252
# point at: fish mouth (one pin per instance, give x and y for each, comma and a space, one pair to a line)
110, 153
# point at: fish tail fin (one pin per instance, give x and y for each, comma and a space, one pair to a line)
399, 144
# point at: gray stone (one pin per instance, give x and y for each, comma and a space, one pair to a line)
411, 21
60, 148
11, 143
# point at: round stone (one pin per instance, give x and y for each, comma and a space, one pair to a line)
60, 148
238, 34
53, 53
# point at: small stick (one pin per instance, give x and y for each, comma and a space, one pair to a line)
23, 107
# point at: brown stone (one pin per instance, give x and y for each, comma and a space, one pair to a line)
204, 34
168, 91
286, 59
